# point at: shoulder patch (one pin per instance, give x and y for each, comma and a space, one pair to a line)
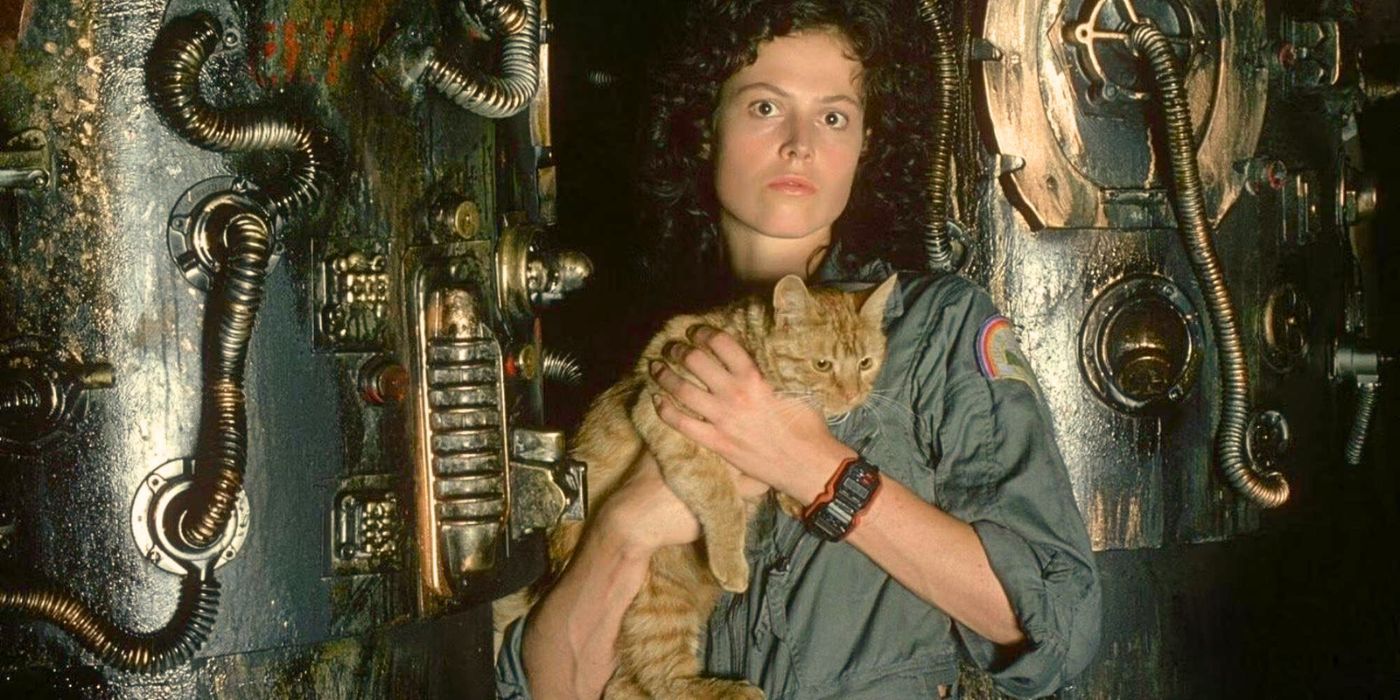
999, 356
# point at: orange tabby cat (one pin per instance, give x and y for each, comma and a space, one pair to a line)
821, 346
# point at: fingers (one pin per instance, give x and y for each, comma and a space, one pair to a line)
699, 362
695, 400
725, 348
692, 427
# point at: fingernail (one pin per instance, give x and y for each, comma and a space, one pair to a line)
655, 366
656, 400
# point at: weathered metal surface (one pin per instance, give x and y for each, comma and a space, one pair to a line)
1054, 99
84, 263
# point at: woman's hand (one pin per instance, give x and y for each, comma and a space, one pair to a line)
781, 442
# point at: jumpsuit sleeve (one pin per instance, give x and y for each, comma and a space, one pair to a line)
510, 664
1000, 471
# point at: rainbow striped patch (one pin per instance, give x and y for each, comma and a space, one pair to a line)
999, 356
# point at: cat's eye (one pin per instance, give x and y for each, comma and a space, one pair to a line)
867, 362
822, 365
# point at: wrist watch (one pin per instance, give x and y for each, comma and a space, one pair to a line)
837, 511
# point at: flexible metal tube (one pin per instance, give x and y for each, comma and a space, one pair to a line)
153, 652
19, 398
561, 368
1366, 396
172, 81
1267, 489
223, 445
937, 246
490, 96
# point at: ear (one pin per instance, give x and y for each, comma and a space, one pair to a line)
790, 299
873, 310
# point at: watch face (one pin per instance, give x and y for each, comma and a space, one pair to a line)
854, 491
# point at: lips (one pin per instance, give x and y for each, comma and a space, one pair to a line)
793, 185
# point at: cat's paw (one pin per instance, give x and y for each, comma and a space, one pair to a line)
713, 689
732, 572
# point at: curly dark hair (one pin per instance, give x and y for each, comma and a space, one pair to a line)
887, 209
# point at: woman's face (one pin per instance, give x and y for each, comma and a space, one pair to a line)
788, 132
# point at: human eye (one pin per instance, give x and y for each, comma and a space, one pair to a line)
763, 108
836, 120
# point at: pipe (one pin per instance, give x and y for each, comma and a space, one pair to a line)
1366, 396
223, 442
172, 80
562, 368
937, 244
18, 398
490, 96
1267, 489
148, 652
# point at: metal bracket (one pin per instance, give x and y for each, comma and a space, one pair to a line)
154, 517
1311, 53
26, 161
546, 486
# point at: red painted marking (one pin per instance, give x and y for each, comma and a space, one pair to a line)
291, 49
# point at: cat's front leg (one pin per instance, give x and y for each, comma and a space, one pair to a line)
701, 479
704, 484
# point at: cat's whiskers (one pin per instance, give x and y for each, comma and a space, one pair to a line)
876, 401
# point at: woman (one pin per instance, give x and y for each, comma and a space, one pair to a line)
787, 139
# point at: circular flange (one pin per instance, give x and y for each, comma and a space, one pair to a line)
195, 229
155, 523
1104, 55
43, 409
1141, 343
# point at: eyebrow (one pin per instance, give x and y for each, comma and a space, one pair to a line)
831, 99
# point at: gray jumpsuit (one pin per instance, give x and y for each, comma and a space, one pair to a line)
964, 426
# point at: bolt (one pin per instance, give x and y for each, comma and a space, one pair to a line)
466, 219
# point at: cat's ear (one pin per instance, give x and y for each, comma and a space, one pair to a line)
790, 299
873, 310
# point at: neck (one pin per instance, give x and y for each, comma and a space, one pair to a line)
760, 261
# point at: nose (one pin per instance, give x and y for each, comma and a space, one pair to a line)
798, 142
